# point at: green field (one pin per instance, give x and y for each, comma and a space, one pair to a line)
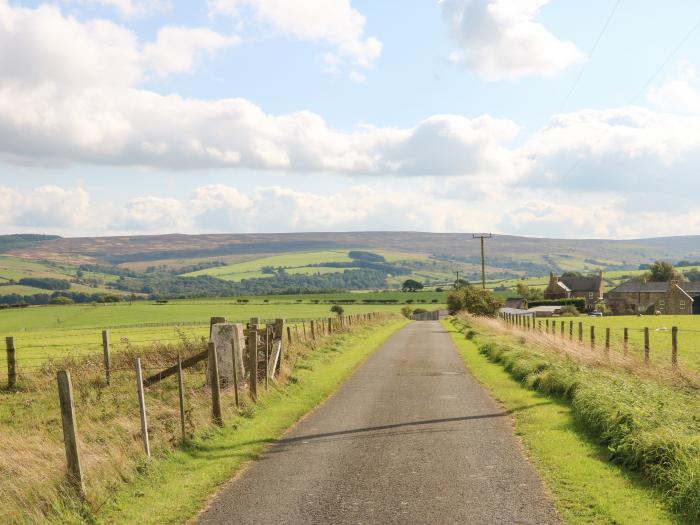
45, 332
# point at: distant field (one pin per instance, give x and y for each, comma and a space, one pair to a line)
59, 331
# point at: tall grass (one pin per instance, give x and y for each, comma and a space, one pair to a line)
648, 423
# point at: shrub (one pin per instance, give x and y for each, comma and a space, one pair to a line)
569, 310
337, 309
62, 300
407, 312
474, 300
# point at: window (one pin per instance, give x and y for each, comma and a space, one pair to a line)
590, 295
682, 305
662, 304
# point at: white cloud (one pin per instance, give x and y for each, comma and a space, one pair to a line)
679, 93
151, 214
333, 21
503, 39
175, 48
129, 8
45, 207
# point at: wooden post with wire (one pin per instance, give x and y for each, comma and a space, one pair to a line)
580, 332
107, 356
181, 395
674, 347
625, 340
142, 408
70, 432
215, 387
571, 330
562, 329
647, 349
593, 337
253, 363
607, 340
11, 362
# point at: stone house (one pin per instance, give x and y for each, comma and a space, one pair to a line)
673, 297
590, 288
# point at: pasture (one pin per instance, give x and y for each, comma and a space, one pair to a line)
42, 333
659, 335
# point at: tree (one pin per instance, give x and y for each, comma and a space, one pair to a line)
661, 272
529, 294
410, 285
337, 309
475, 301
459, 283
407, 312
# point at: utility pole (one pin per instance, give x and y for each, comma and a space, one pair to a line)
481, 237
457, 281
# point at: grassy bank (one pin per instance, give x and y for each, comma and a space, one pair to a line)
122, 486
648, 427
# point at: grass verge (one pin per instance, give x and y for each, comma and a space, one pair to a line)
587, 487
174, 487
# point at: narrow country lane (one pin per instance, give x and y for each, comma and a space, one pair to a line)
411, 437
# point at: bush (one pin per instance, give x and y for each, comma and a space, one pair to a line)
474, 300
337, 309
62, 300
569, 310
407, 312
45, 283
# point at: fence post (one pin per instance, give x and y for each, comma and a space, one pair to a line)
607, 340
625, 341
213, 321
554, 327
11, 363
289, 335
547, 325
215, 387
107, 356
580, 332
142, 408
181, 393
313, 330
646, 346
70, 432
592, 337
562, 329
674, 347
571, 330
253, 365
539, 325
303, 326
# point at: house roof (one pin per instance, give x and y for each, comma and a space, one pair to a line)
582, 284
689, 287
547, 308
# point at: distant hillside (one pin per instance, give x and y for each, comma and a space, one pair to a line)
23, 240
522, 255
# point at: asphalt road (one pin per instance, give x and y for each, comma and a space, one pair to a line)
411, 437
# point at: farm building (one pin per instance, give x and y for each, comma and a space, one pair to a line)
589, 288
672, 297
516, 302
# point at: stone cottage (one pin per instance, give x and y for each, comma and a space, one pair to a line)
671, 297
590, 288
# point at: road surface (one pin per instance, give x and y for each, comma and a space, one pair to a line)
411, 437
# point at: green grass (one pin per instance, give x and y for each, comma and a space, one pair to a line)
646, 425
659, 335
174, 488
586, 487
45, 332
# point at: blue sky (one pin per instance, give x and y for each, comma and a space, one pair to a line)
153, 116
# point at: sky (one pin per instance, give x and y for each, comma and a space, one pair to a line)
545, 118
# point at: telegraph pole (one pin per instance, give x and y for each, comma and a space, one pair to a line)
457, 281
481, 237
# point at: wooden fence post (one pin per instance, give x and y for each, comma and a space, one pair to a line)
625, 341
674, 347
289, 335
592, 337
562, 329
303, 326
107, 356
11, 363
547, 325
268, 342
142, 408
607, 340
554, 327
313, 330
571, 330
647, 349
213, 321
253, 364
70, 431
539, 325
580, 332
181, 393
215, 387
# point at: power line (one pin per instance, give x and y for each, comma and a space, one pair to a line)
590, 55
